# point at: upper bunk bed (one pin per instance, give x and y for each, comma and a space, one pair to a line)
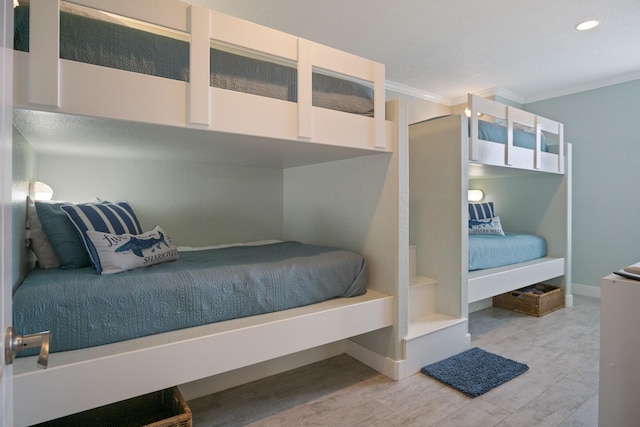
337, 111
521, 162
506, 136
212, 79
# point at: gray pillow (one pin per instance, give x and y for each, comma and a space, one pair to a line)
39, 242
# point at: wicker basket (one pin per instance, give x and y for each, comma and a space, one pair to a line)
536, 300
165, 408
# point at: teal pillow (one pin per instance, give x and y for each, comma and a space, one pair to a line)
62, 235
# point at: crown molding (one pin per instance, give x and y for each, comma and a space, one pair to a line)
624, 78
416, 93
487, 93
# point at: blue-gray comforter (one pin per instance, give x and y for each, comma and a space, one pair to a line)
83, 309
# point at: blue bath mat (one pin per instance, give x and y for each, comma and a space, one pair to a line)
475, 371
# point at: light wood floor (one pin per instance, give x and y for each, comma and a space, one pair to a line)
559, 389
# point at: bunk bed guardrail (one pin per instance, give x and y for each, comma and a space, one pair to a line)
207, 107
511, 155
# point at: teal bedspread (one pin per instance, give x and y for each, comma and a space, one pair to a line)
84, 309
490, 250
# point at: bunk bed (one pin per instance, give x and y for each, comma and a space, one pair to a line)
537, 156
305, 126
522, 164
320, 94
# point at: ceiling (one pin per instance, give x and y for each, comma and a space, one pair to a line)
442, 50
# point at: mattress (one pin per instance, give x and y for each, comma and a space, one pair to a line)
491, 250
495, 132
96, 38
84, 309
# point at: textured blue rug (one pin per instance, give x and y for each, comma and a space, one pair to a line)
475, 371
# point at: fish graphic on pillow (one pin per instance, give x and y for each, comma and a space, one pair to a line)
136, 245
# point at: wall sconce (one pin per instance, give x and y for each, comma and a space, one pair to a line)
467, 112
40, 191
475, 195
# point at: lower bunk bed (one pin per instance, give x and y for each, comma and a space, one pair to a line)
502, 261
487, 283
116, 336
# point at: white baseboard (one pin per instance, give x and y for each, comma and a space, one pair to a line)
585, 290
393, 369
480, 305
227, 380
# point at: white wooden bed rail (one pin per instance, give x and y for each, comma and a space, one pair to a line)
55, 84
83, 379
487, 283
486, 152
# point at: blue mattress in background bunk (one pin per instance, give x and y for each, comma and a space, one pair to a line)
84, 309
109, 44
491, 250
498, 133
264, 78
97, 42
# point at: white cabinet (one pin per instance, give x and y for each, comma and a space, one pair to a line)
619, 352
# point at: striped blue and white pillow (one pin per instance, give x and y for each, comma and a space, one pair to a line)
113, 218
481, 211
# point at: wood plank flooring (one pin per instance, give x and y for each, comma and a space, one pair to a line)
560, 388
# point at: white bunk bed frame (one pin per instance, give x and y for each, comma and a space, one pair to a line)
83, 379
442, 160
483, 284
508, 155
63, 86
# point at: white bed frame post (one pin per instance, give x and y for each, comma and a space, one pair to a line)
198, 87
380, 140
44, 48
305, 89
566, 156
508, 147
473, 137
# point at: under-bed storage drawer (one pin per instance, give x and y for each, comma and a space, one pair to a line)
536, 300
164, 408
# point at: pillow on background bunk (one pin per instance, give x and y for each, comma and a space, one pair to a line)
62, 235
115, 218
481, 210
486, 226
38, 240
122, 252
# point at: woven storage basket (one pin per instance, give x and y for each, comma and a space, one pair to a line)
165, 408
527, 302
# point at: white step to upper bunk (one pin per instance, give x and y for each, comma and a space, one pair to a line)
434, 338
423, 295
431, 324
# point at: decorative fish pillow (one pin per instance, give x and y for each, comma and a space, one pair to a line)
486, 226
122, 252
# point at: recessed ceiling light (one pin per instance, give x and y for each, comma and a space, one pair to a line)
587, 25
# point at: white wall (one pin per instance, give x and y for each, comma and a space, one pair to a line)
603, 128
196, 203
